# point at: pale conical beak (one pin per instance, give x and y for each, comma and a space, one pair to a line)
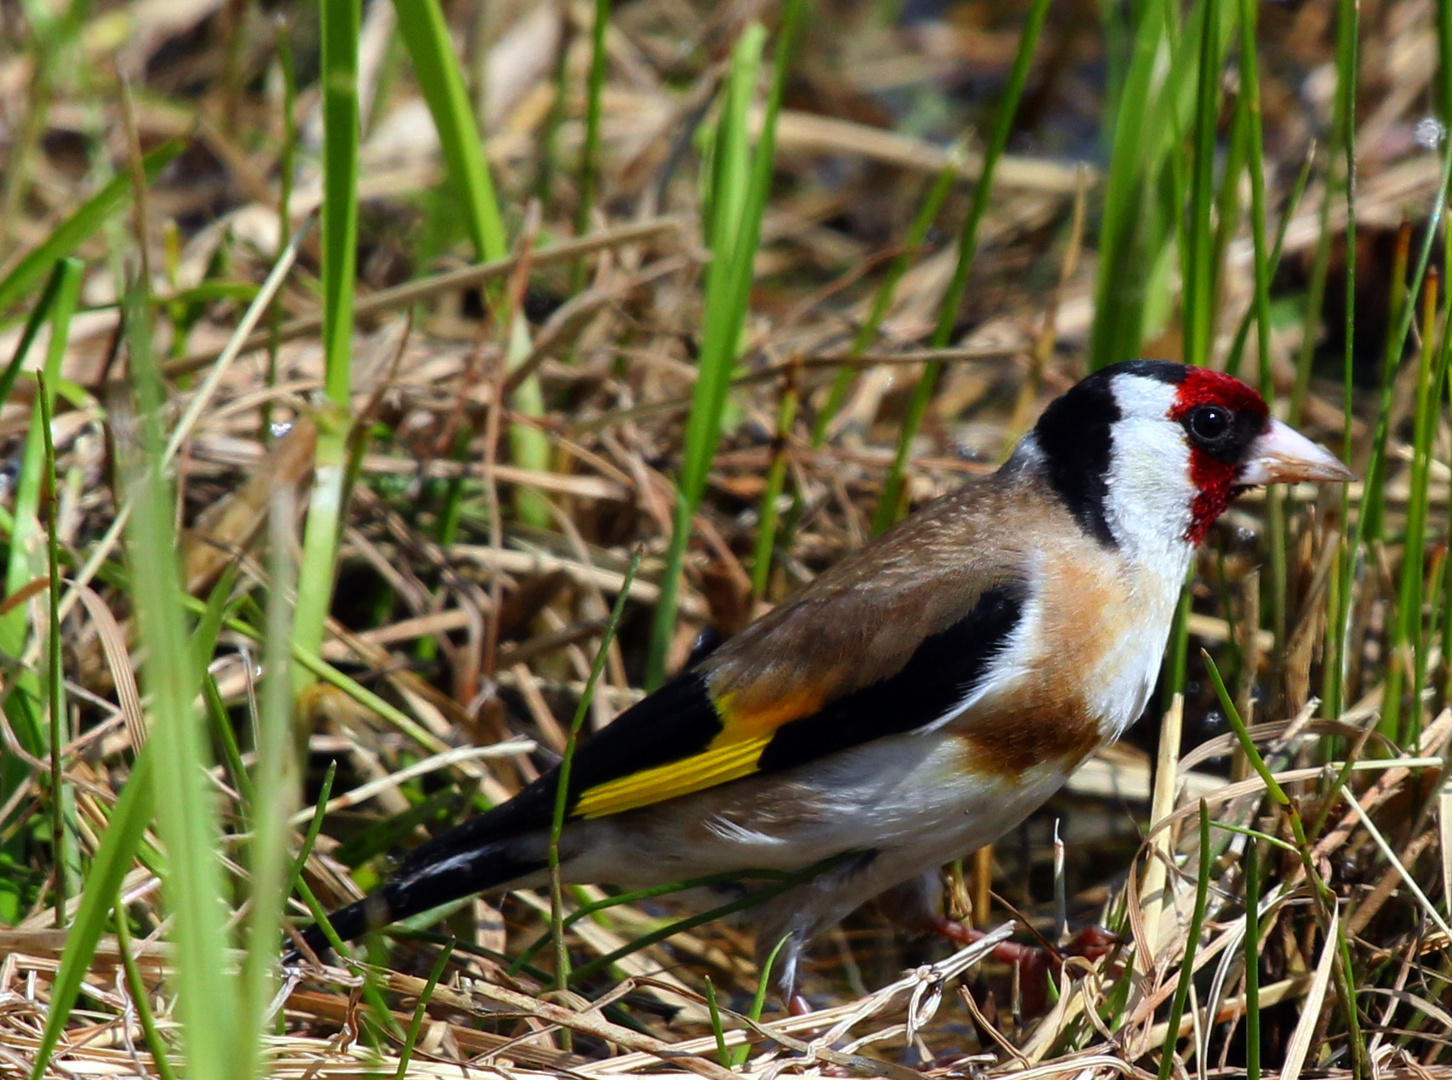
1284, 456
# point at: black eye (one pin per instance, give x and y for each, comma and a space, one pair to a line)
1209, 423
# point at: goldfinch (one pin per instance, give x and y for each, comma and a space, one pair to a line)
917, 700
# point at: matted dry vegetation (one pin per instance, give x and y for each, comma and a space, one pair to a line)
474, 584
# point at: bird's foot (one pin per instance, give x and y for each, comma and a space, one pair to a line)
1034, 962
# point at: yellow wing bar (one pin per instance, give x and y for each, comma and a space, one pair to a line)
712, 766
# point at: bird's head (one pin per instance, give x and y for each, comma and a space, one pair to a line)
1150, 452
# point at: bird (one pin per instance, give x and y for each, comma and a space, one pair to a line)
918, 699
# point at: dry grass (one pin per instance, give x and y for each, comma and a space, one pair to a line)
485, 641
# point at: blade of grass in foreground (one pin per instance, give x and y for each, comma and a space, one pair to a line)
276, 786
340, 255
206, 994
129, 819
889, 507
740, 186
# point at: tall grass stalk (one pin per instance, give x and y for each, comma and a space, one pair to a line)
1275, 501
1316, 289
1198, 270
276, 784
286, 165
889, 507
136, 987
562, 792
339, 80
1405, 647
1325, 899
1252, 960
1144, 193
28, 561
1273, 262
740, 184
1192, 944
207, 996
130, 818
64, 828
590, 152
772, 490
1369, 519
425, 34
1348, 29
55, 687
927, 213
420, 1010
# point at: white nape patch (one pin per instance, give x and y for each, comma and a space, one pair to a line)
1149, 504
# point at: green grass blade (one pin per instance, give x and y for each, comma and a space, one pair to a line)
405, 1053
758, 999
562, 793
1252, 961
776, 888
425, 35
160, 1052
735, 215
1192, 944
27, 561
867, 333
722, 1054
276, 785
1348, 24
87, 219
1232, 716
186, 821
129, 819
771, 493
340, 256
888, 507
55, 686
64, 826
590, 152
1120, 299
33, 322
1198, 273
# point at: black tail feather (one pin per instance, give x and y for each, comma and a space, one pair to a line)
450, 867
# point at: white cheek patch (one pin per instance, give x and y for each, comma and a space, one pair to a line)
1150, 498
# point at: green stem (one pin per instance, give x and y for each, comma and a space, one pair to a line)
888, 506
562, 785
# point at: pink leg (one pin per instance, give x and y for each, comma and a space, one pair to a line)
1033, 962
